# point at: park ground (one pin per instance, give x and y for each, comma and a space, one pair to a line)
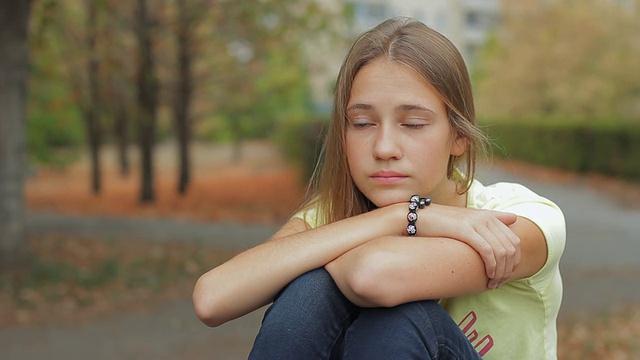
109, 273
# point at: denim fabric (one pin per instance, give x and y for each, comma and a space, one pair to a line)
312, 319
416, 330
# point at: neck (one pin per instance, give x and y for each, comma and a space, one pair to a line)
451, 196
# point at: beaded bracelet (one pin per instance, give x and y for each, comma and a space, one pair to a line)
415, 203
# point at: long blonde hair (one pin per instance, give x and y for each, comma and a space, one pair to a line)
433, 56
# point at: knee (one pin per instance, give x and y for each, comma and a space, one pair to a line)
409, 317
309, 287
314, 280
405, 331
306, 299
405, 311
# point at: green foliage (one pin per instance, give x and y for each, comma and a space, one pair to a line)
261, 73
567, 59
54, 126
301, 143
248, 62
566, 76
58, 272
80, 271
603, 146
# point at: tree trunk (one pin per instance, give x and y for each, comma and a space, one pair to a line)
14, 15
122, 136
147, 102
183, 95
91, 112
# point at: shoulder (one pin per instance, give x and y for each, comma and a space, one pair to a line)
309, 214
517, 199
502, 195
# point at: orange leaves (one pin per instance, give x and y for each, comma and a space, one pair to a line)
260, 189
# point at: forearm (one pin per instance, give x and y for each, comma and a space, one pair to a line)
393, 270
253, 278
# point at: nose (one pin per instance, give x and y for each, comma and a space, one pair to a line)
387, 144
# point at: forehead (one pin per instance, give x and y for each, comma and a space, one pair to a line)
389, 82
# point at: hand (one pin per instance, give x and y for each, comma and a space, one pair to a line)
486, 231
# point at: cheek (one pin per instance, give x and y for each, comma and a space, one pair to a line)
352, 157
348, 150
353, 149
432, 159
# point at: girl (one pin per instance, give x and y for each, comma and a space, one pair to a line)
366, 269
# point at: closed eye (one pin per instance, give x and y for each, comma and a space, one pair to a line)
414, 126
361, 123
414, 123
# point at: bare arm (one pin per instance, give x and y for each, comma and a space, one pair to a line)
395, 270
253, 278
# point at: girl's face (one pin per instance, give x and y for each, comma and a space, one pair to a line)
398, 137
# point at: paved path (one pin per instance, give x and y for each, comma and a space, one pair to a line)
600, 269
601, 262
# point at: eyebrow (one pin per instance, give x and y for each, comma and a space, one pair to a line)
407, 107
359, 107
414, 107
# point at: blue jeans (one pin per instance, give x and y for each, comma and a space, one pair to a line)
312, 319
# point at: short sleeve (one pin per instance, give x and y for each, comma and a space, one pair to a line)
519, 200
308, 215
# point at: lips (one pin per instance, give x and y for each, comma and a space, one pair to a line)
387, 177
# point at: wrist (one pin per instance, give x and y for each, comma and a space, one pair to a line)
415, 203
395, 216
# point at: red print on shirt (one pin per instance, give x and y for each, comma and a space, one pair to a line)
481, 344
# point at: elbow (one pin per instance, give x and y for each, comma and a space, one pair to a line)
207, 305
371, 283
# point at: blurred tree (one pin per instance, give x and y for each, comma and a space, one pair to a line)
147, 99
118, 95
54, 123
69, 37
69, 34
565, 59
77, 28
92, 105
259, 78
237, 69
189, 16
14, 19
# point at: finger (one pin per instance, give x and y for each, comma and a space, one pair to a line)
485, 250
505, 217
499, 252
511, 244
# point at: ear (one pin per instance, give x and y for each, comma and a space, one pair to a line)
459, 145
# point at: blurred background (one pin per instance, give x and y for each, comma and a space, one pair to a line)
144, 142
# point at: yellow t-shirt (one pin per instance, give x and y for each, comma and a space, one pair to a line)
518, 320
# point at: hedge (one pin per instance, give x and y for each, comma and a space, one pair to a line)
301, 144
610, 148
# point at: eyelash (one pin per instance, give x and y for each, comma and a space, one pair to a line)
366, 124
361, 124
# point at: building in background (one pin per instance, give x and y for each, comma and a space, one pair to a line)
467, 23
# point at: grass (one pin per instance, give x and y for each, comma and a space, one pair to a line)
81, 279
86, 279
